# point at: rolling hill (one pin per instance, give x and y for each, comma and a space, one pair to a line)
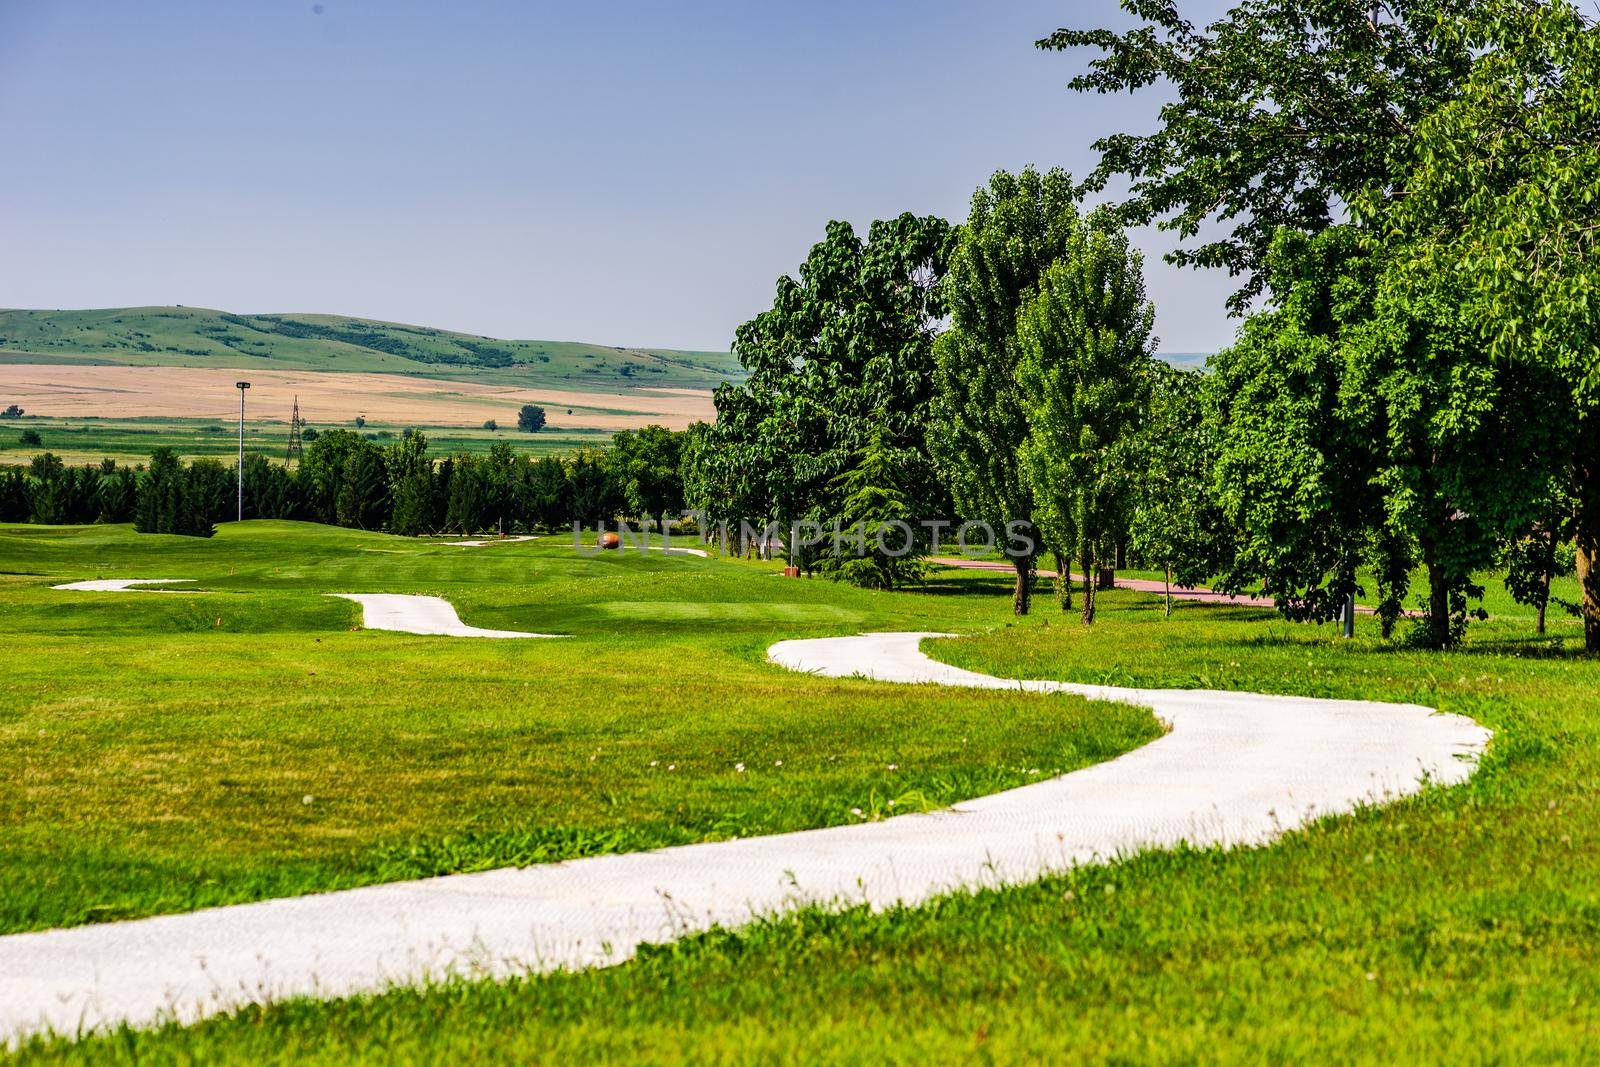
201, 337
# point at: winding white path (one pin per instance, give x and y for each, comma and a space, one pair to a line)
1236, 768
413, 614
493, 541
123, 585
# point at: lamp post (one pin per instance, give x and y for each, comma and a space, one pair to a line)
241, 386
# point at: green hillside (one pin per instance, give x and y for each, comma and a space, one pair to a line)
200, 337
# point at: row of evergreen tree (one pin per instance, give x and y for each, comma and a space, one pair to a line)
346, 479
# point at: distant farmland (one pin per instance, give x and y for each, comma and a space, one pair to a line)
120, 382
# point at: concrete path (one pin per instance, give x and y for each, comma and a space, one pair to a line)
123, 585
420, 615
493, 541
1235, 769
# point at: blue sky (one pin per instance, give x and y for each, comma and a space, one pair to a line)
624, 173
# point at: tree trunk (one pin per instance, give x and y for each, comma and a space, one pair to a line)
1106, 577
1589, 583
1438, 606
1022, 594
1167, 583
1088, 560
1063, 581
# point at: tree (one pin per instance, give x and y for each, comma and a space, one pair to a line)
412, 487
590, 487
1362, 422
845, 350
531, 418
117, 494
490, 424
361, 421
30, 439
1174, 521
1086, 363
545, 493
1500, 195
169, 498
877, 509
12, 411
646, 462
1019, 224
342, 480
47, 490
1279, 114
13, 495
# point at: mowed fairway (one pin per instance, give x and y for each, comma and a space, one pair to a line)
166, 762
173, 750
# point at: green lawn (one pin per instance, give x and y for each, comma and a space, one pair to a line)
1458, 925
165, 742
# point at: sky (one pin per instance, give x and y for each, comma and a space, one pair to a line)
623, 173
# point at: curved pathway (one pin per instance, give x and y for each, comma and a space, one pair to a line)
420, 615
1235, 769
123, 585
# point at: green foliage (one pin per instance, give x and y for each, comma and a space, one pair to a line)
1174, 522
530, 419
1019, 224
30, 439
1277, 115
173, 500
646, 464
877, 510
845, 351
1085, 368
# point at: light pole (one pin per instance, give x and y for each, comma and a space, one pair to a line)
241, 386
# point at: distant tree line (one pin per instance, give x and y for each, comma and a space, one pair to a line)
347, 479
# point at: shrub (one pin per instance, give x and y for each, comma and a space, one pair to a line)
30, 439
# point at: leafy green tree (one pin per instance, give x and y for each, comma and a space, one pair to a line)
1019, 224
647, 463
466, 505
12, 411
1277, 115
1174, 521
531, 418
362, 499
1500, 196
591, 488
1086, 365
845, 350
30, 439
343, 481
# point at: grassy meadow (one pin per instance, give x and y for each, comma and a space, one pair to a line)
188, 748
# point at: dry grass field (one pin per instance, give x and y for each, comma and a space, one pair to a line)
331, 397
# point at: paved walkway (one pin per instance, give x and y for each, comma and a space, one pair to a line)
413, 614
1235, 769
